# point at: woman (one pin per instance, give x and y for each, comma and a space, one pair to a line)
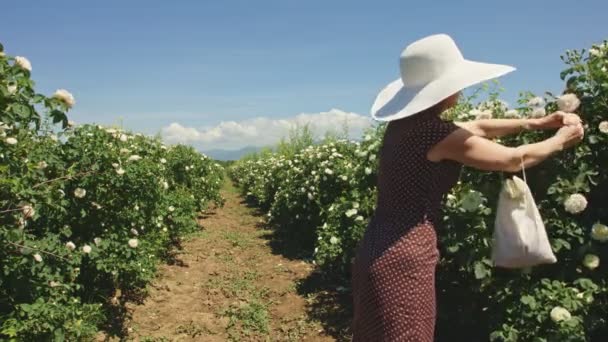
420, 160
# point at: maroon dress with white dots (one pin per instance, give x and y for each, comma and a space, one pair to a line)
394, 269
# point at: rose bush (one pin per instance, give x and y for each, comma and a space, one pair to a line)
326, 193
86, 212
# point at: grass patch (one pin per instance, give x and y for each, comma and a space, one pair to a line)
192, 329
154, 339
246, 318
236, 239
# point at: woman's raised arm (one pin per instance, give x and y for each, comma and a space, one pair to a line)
469, 149
492, 128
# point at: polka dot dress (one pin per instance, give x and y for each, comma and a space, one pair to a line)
394, 269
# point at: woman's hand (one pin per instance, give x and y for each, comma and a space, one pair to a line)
555, 120
570, 135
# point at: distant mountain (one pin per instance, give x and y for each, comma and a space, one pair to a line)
231, 154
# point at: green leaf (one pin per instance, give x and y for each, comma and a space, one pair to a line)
21, 110
529, 301
59, 335
480, 270
593, 139
453, 248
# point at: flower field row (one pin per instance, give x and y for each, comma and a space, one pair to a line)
86, 212
324, 194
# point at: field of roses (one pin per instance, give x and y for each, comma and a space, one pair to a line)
323, 194
86, 212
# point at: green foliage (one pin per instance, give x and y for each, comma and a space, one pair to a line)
86, 212
324, 194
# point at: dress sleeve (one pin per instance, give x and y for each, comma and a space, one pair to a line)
435, 131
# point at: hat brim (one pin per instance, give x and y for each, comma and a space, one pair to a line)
396, 101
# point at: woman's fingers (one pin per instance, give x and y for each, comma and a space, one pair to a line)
569, 119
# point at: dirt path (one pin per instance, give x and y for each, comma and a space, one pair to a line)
228, 286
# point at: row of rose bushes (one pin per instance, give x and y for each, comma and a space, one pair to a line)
324, 194
86, 212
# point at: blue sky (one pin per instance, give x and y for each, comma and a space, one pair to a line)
200, 63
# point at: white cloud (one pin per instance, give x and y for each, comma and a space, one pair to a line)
261, 131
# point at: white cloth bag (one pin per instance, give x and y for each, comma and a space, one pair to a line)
520, 238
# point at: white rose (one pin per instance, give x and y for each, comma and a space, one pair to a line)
344, 178
133, 243
120, 171
80, 192
23, 63
171, 208
512, 113
12, 88
134, 231
575, 203
134, 157
475, 112
42, 165
11, 141
28, 210
310, 196
165, 185
372, 157
591, 261
351, 212
599, 232
86, 249
471, 201
163, 160
594, 51
123, 138
368, 170
484, 114
37, 257
560, 314
65, 97
538, 112
97, 241
536, 102
334, 240
70, 245
329, 171
72, 123
568, 103
603, 127
359, 218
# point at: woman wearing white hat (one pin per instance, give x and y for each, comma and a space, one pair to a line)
420, 160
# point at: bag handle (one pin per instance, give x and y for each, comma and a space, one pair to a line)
523, 169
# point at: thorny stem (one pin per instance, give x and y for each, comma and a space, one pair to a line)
38, 250
46, 182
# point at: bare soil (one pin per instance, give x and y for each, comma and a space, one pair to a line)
231, 282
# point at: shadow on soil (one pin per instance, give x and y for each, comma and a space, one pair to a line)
329, 299
329, 303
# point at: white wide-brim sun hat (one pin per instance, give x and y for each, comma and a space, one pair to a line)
432, 69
